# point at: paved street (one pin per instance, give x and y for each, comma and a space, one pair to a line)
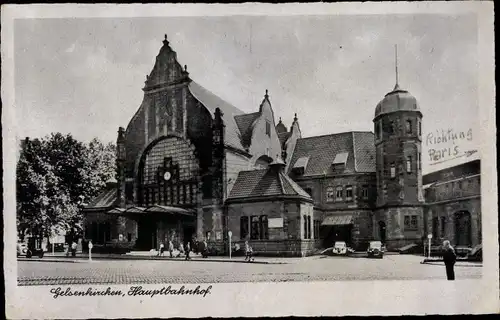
393, 267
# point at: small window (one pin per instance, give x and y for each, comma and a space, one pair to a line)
407, 222
339, 193
305, 227
377, 129
390, 129
408, 127
419, 128
330, 195
393, 170
264, 234
268, 129
408, 164
443, 227
365, 192
243, 227
348, 193
414, 222
309, 230
419, 160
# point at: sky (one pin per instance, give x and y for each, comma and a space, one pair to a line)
85, 76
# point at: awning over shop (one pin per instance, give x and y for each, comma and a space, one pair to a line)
171, 210
116, 211
152, 209
337, 220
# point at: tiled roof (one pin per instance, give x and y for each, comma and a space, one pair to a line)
105, 199
263, 183
245, 125
211, 102
322, 151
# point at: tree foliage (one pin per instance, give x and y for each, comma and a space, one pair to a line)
55, 177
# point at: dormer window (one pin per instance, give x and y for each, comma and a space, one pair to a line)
300, 165
340, 161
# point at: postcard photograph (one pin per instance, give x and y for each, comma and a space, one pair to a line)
168, 155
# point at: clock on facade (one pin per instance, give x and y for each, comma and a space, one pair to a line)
167, 176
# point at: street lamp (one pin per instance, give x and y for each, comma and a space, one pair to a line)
230, 234
429, 236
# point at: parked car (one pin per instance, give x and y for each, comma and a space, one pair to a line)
340, 248
24, 250
375, 250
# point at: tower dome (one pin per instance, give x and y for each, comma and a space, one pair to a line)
397, 100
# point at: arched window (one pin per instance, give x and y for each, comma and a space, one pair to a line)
330, 195
309, 231
305, 227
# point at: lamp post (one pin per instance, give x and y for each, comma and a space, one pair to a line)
429, 237
90, 250
230, 234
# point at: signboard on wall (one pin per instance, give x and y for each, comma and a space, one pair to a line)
275, 223
218, 235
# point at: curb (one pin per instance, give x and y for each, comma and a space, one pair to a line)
85, 259
457, 264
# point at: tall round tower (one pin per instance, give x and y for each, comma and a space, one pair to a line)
398, 140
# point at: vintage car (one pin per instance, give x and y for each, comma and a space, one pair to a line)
375, 250
340, 248
24, 250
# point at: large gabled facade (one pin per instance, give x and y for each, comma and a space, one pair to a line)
191, 165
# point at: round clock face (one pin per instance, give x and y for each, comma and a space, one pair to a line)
167, 176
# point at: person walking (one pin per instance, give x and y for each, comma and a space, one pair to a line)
188, 249
181, 249
248, 252
171, 248
162, 248
449, 258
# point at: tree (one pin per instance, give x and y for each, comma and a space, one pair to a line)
56, 175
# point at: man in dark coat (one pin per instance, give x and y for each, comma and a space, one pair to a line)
449, 258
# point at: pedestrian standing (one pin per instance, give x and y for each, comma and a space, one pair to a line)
73, 249
248, 252
188, 249
449, 258
171, 248
181, 249
162, 248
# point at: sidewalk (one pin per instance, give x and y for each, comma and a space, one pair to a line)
459, 263
84, 257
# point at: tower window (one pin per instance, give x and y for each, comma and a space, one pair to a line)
377, 129
408, 126
419, 161
393, 170
419, 128
408, 164
390, 128
268, 129
365, 192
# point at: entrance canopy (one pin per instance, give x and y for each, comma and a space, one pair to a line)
141, 211
337, 220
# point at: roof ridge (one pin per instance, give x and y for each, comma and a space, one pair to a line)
354, 152
334, 134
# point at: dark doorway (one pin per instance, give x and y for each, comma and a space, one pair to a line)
189, 232
146, 234
382, 231
332, 234
463, 228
